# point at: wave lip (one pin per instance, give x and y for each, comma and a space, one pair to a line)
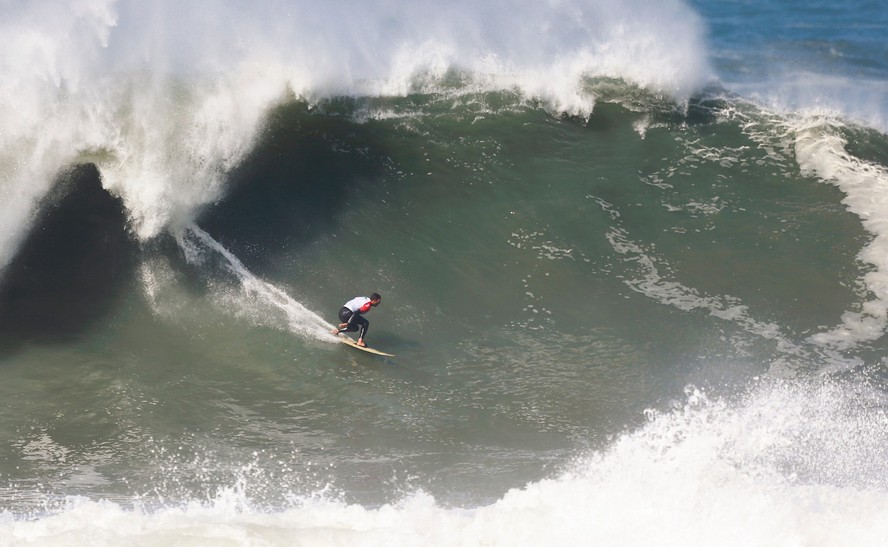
167, 98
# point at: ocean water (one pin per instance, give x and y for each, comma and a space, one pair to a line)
633, 258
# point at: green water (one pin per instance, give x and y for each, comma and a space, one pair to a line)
544, 279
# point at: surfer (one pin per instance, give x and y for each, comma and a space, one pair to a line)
352, 313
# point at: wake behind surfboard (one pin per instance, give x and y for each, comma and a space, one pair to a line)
349, 342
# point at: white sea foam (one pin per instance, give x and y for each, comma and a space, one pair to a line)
862, 101
649, 281
820, 151
258, 300
167, 97
783, 465
815, 140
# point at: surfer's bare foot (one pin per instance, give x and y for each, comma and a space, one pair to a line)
361, 343
334, 331
342, 325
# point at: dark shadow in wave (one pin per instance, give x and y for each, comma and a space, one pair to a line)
72, 266
291, 187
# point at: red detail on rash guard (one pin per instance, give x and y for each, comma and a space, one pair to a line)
366, 307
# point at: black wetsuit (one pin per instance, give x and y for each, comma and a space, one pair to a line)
351, 314
355, 322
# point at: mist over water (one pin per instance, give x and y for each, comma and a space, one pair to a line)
631, 258
813, 58
166, 99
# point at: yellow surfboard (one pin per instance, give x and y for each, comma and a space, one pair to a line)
349, 342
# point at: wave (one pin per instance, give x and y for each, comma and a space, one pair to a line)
167, 99
781, 464
817, 146
183, 113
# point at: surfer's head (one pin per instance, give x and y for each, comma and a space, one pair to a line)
375, 299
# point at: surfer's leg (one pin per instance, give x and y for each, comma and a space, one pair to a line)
344, 315
364, 326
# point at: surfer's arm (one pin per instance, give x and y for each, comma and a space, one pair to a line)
362, 310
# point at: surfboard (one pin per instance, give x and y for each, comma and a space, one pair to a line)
349, 342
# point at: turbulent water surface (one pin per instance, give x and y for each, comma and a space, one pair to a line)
633, 259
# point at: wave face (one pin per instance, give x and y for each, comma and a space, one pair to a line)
632, 271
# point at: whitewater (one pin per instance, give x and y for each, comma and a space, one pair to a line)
632, 257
